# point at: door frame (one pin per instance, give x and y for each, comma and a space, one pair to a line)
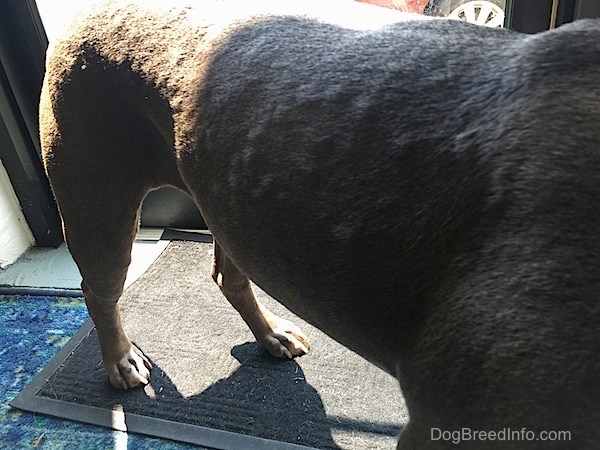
23, 44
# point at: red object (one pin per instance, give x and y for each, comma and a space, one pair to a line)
414, 6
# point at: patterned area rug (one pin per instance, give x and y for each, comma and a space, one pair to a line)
32, 331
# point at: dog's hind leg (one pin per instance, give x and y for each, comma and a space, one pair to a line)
279, 336
100, 238
100, 222
101, 158
124, 362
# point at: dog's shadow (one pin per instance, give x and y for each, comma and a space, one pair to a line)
264, 397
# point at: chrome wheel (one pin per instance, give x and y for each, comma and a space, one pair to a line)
482, 13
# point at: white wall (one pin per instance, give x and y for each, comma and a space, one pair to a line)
15, 235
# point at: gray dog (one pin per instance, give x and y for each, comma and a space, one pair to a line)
426, 192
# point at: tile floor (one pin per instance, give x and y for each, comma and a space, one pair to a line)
55, 268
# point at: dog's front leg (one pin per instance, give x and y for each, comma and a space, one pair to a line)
279, 336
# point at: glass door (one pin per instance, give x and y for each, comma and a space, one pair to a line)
588, 8
490, 13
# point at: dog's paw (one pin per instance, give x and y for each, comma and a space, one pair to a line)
285, 339
131, 370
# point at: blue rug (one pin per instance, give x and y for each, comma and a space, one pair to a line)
32, 330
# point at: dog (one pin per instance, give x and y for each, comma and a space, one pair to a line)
426, 192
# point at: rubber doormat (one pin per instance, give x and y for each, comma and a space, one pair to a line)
212, 385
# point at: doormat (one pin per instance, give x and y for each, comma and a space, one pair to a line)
212, 385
